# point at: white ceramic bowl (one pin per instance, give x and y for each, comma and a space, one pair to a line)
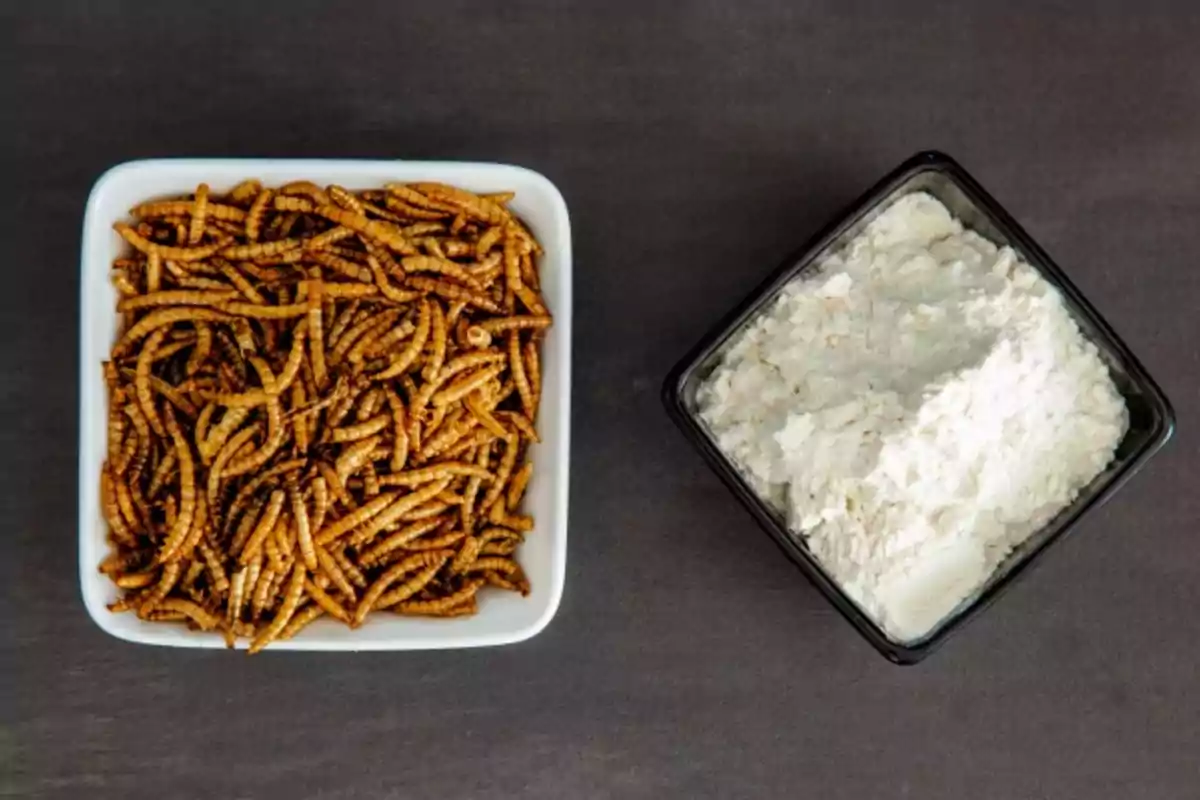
503, 617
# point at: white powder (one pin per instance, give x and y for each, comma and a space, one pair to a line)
917, 407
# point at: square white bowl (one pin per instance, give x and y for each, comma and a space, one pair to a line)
503, 617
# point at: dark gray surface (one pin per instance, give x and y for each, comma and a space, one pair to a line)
695, 143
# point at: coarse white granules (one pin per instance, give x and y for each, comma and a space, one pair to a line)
917, 407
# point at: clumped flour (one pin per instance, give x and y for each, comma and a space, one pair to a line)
918, 407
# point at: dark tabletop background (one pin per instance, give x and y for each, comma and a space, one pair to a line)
695, 143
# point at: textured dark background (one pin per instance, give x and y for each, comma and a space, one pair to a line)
695, 143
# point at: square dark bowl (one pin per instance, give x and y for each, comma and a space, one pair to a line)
1151, 420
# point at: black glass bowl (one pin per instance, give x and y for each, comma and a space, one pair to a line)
1151, 420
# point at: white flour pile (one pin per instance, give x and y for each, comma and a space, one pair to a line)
918, 407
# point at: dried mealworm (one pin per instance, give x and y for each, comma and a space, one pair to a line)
441, 605
264, 527
220, 433
110, 507
329, 237
395, 572
467, 509
437, 343
187, 490
336, 488
337, 575
245, 191
291, 367
521, 423
507, 462
488, 270
469, 203
285, 203
387, 341
168, 577
394, 511
413, 585
487, 240
303, 531
116, 430
322, 599
445, 540
187, 208
516, 365
399, 430
300, 620
530, 300
385, 286
466, 385
517, 484
346, 200
505, 566
516, 323
362, 430
533, 370
142, 382
295, 590
454, 291
316, 337
237, 594
246, 526
414, 198
468, 551
426, 510
395, 540
199, 215
162, 473
352, 571
153, 272
512, 263
377, 322
517, 522
383, 232
184, 254
201, 349
357, 517
478, 408
401, 363
241, 283
341, 266
418, 477
265, 312
306, 189
447, 437
201, 525
216, 570
353, 457
441, 266
254, 217
192, 611
227, 453
161, 318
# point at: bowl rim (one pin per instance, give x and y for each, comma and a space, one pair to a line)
558, 218
676, 381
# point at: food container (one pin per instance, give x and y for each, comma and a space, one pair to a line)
1151, 420
503, 617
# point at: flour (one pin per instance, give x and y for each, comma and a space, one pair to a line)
917, 408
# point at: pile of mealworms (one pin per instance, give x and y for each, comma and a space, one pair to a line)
320, 404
